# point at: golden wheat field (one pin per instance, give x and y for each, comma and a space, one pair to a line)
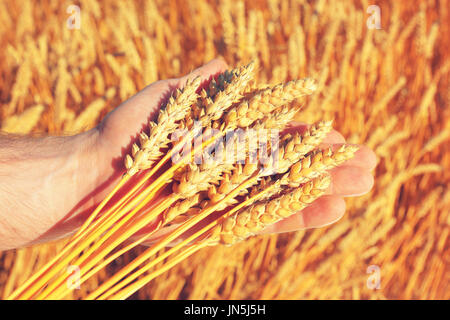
387, 88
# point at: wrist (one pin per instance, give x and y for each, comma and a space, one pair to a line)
100, 168
84, 153
47, 182
75, 182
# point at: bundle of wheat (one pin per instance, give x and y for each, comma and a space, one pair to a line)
293, 176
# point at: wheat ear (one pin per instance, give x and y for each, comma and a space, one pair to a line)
317, 163
266, 101
175, 110
232, 91
294, 148
193, 179
277, 120
254, 219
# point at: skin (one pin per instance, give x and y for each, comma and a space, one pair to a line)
49, 185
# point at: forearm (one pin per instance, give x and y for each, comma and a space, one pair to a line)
41, 182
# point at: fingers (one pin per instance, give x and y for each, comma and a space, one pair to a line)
334, 137
322, 212
350, 181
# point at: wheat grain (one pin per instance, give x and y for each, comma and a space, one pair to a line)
278, 120
181, 207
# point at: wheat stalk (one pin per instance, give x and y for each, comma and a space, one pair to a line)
170, 237
193, 181
226, 93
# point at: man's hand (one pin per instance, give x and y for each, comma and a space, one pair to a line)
50, 185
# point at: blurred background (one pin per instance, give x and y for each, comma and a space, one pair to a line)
383, 74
